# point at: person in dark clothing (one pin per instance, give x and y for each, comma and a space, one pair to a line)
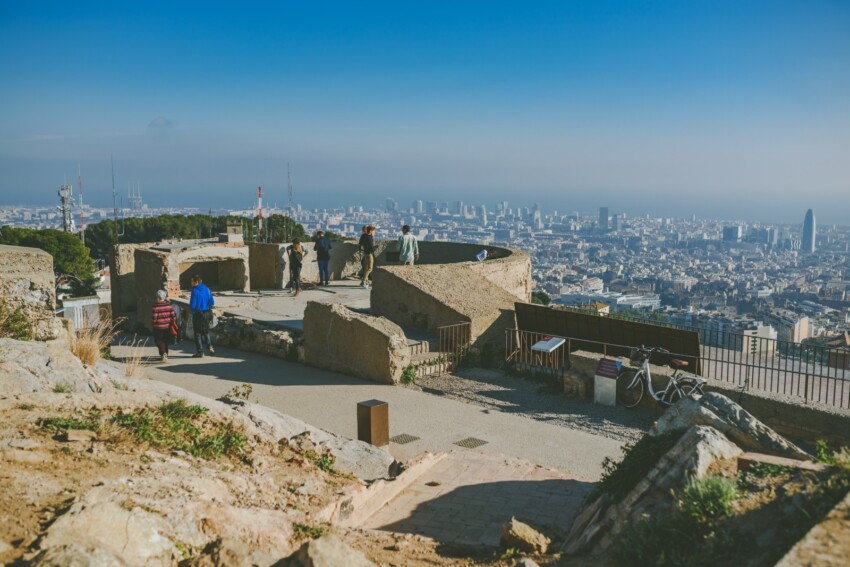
323, 256
201, 304
296, 260
163, 319
367, 248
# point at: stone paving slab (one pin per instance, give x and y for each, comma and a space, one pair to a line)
466, 497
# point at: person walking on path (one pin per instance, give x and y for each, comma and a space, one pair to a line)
163, 321
408, 248
296, 260
201, 304
367, 248
323, 256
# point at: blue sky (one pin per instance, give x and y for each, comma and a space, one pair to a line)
723, 109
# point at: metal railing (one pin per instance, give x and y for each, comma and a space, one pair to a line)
453, 343
809, 373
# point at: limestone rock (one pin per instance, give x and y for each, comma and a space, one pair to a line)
327, 551
337, 338
79, 436
598, 525
73, 555
527, 562
32, 366
27, 283
25, 444
739, 425
522, 536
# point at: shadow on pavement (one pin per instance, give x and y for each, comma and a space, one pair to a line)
474, 514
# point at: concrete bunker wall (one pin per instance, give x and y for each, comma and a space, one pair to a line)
337, 338
122, 277
222, 267
264, 264
27, 282
427, 297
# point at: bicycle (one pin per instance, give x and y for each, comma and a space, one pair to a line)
636, 381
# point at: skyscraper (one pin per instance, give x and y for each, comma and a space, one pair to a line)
603, 218
809, 232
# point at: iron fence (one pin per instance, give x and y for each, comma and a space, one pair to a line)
453, 342
808, 372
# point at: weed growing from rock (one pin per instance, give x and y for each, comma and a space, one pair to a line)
59, 424
325, 461
13, 323
63, 387
709, 498
306, 531
242, 392
408, 375
178, 426
90, 345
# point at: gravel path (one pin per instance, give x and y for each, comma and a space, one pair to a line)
498, 391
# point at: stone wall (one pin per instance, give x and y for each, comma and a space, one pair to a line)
426, 297
339, 339
252, 336
27, 282
264, 263
122, 277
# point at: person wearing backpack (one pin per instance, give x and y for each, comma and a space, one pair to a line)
323, 257
296, 260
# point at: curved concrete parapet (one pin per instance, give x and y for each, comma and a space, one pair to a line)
508, 268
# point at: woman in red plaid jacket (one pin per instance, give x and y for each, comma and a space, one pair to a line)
163, 322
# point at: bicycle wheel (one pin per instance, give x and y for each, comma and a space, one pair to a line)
687, 386
629, 387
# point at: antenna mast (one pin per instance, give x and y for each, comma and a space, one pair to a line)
82, 217
288, 202
260, 212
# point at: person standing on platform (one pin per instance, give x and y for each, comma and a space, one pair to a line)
408, 248
163, 320
201, 304
296, 260
367, 248
323, 256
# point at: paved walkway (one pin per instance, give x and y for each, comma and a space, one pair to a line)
466, 497
328, 400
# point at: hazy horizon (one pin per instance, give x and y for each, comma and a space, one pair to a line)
725, 110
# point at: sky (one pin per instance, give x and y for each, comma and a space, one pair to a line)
737, 109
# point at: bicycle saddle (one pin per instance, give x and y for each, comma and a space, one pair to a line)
679, 363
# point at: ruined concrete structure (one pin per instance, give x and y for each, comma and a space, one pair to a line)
337, 338
27, 282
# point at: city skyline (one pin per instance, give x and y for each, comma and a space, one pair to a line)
721, 109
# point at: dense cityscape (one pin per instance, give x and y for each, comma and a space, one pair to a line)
786, 282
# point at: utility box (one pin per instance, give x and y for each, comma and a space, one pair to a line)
373, 422
605, 382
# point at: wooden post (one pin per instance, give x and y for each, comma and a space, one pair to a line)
373, 422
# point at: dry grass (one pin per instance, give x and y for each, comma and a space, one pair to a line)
89, 345
133, 362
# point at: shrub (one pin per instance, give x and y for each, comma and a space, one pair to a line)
306, 531
13, 323
408, 375
58, 424
242, 392
709, 498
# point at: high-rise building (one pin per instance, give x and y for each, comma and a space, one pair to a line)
809, 233
603, 218
418, 207
732, 233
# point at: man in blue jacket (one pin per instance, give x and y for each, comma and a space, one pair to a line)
201, 304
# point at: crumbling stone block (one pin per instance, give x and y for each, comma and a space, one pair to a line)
27, 282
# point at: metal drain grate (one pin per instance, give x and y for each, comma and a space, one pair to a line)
404, 439
470, 443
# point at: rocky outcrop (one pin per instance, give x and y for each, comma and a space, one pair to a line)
523, 537
337, 338
27, 283
739, 425
598, 525
327, 551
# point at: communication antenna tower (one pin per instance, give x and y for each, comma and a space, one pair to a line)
119, 232
66, 205
288, 202
82, 218
260, 212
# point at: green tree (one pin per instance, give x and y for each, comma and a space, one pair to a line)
71, 259
279, 226
540, 297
